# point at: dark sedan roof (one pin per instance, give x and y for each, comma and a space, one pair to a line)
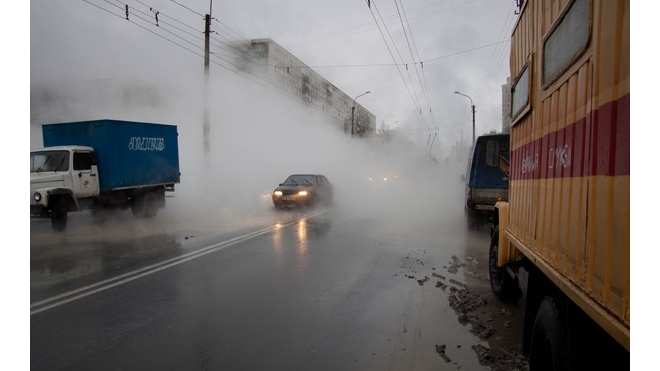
299, 180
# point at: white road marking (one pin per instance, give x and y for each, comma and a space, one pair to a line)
82, 292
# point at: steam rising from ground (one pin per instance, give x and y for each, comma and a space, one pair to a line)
258, 137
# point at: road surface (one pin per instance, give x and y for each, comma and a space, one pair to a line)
335, 288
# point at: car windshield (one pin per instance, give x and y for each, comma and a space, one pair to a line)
49, 161
300, 180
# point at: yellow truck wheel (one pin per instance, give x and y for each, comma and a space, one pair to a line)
504, 286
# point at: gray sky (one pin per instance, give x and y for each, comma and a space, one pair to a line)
412, 55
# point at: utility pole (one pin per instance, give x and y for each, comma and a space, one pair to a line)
207, 52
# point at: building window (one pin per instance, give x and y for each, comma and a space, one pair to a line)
328, 93
306, 89
260, 50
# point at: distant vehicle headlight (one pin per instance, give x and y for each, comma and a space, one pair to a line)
37, 196
302, 193
277, 193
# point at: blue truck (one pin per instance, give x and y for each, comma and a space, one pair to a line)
486, 178
102, 165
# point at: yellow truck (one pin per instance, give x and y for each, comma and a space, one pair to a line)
561, 243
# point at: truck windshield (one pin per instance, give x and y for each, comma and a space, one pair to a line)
49, 161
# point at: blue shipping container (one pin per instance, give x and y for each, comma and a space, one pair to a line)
130, 154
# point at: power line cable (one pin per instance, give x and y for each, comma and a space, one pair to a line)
185, 7
412, 84
129, 15
392, 55
410, 48
500, 54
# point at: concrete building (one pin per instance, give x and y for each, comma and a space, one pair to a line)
274, 64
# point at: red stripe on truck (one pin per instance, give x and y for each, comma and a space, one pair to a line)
566, 153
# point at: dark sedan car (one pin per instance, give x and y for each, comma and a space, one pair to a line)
303, 190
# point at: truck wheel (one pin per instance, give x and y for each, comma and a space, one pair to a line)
548, 345
504, 287
59, 216
150, 205
145, 206
136, 207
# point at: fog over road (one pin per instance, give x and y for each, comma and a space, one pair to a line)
357, 286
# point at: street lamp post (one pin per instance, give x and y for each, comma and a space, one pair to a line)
387, 130
473, 110
388, 126
353, 112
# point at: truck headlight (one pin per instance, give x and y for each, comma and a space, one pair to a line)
277, 193
302, 193
37, 196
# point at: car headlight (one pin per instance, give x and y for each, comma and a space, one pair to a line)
37, 196
302, 193
277, 193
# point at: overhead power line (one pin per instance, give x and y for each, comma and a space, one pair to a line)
423, 85
167, 31
389, 49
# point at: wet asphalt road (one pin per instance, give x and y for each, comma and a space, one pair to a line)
328, 289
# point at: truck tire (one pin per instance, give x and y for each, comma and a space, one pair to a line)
504, 287
145, 205
549, 347
59, 215
136, 207
150, 205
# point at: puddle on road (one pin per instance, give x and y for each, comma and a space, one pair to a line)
497, 326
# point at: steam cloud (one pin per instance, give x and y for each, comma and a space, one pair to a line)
258, 137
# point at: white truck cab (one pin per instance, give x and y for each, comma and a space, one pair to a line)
59, 178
